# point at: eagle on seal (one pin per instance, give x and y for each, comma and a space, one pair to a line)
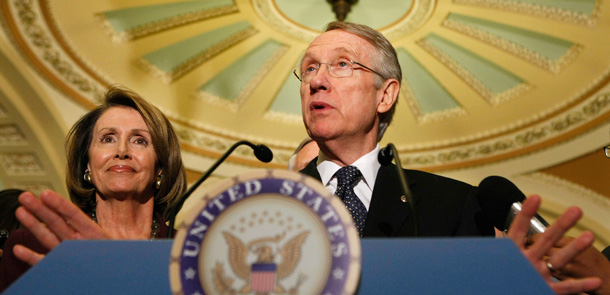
263, 275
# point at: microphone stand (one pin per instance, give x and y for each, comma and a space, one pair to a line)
384, 160
182, 198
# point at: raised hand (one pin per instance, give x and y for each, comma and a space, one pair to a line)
539, 252
52, 219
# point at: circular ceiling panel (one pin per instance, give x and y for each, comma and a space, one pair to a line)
483, 79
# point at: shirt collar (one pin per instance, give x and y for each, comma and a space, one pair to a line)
367, 164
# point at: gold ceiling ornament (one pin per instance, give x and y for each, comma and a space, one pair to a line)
342, 7
77, 56
542, 135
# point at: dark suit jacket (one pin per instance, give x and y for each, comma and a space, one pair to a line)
445, 207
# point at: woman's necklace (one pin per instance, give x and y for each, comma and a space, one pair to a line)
154, 229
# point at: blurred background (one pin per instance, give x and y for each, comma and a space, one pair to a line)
514, 88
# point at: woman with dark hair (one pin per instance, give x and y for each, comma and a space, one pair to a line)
124, 173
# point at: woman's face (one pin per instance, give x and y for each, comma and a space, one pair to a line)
122, 159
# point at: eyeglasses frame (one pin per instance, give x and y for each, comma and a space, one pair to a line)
352, 61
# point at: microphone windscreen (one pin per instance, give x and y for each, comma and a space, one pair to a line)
495, 196
263, 153
606, 252
385, 156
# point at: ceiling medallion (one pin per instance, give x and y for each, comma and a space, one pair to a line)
415, 16
342, 7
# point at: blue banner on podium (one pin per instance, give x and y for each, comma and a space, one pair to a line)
389, 266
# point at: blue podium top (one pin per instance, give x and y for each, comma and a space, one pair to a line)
389, 266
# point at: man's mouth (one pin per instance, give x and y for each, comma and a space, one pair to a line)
318, 105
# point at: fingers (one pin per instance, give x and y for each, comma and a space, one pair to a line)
48, 217
560, 259
39, 230
25, 254
560, 250
576, 286
521, 223
555, 232
53, 219
78, 222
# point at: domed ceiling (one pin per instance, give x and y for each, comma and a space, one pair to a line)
484, 80
516, 88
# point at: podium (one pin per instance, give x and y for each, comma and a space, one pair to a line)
389, 266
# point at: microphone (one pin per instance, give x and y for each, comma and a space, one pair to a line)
261, 152
501, 200
385, 157
606, 252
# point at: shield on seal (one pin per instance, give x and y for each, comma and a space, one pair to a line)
262, 278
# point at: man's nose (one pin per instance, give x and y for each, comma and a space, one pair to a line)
320, 80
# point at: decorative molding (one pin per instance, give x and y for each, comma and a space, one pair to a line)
415, 18
218, 145
235, 104
48, 55
283, 117
471, 80
163, 24
11, 135
17, 164
195, 61
412, 21
514, 141
268, 12
424, 118
38, 38
516, 49
539, 10
576, 189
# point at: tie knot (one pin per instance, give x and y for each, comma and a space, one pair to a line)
348, 176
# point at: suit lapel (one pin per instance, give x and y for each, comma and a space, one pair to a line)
312, 170
388, 214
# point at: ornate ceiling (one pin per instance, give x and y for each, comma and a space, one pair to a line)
492, 86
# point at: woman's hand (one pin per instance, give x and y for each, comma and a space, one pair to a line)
536, 252
52, 219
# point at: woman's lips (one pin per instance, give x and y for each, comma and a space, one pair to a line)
121, 168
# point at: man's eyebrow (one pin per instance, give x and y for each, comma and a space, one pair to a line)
342, 50
338, 50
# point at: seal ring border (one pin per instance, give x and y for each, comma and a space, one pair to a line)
352, 238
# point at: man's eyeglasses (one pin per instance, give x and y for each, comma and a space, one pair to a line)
607, 151
337, 69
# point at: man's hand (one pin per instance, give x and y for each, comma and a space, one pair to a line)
589, 263
52, 219
536, 252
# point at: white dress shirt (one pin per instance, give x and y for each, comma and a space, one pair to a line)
368, 166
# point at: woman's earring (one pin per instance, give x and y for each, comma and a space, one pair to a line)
158, 181
87, 176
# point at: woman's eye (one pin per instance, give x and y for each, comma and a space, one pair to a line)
141, 141
107, 138
342, 64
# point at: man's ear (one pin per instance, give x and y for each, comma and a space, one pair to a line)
387, 95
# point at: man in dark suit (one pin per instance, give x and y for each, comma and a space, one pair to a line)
445, 207
350, 81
